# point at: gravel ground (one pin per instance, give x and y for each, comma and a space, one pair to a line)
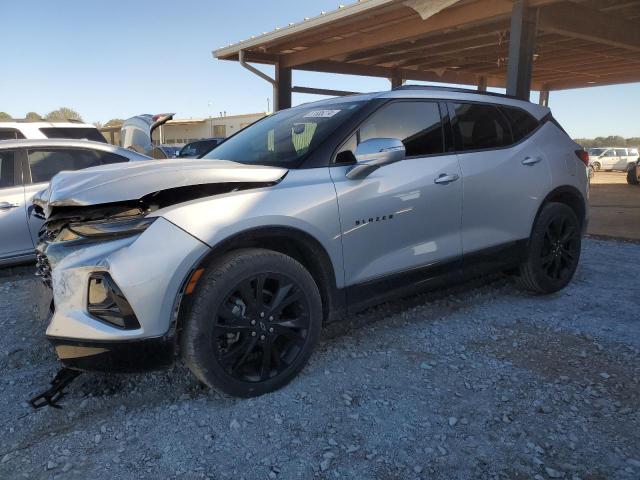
481, 381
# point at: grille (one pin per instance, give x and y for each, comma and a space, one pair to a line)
43, 269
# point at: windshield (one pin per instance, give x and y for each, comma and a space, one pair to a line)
596, 152
285, 138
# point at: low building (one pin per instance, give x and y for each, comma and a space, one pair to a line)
181, 131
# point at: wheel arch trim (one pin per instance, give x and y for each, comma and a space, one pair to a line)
570, 196
315, 259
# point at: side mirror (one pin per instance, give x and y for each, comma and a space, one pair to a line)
375, 153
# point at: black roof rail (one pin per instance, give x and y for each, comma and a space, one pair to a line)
457, 90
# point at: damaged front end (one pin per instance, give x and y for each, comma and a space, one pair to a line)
115, 269
94, 319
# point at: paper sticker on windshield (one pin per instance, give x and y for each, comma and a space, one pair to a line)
321, 113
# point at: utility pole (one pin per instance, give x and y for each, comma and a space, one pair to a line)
210, 121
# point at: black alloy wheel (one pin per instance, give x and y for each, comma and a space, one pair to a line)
560, 248
261, 327
554, 249
253, 322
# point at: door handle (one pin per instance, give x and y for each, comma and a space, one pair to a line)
531, 160
445, 179
8, 206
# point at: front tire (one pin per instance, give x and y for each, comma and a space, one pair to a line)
254, 322
553, 251
596, 166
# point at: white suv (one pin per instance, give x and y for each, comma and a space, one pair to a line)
35, 130
235, 260
612, 158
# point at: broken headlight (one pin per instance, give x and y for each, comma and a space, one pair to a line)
115, 227
107, 302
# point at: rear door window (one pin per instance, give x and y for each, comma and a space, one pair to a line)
7, 168
621, 152
522, 122
10, 134
45, 163
417, 124
480, 127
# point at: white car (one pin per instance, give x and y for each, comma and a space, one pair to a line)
612, 158
26, 166
34, 130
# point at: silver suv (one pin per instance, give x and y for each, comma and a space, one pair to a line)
236, 260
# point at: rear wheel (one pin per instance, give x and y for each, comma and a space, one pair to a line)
554, 250
254, 323
632, 175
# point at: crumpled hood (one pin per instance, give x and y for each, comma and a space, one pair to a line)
133, 180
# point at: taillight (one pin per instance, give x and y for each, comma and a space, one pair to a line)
583, 155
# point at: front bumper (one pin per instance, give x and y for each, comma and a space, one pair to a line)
150, 269
126, 357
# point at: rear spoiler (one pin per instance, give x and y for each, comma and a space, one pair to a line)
160, 119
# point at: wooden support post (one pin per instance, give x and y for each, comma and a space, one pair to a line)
521, 48
482, 84
282, 88
396, 80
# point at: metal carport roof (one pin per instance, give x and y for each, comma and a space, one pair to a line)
565, 44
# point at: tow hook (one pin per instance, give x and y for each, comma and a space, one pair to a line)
52, 396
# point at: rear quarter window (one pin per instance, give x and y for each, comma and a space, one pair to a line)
10, 134
74, 133
106, 158
522, 122
480, 127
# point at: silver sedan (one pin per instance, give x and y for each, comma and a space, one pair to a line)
26, 166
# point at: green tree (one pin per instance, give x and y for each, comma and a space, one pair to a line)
63, 114
615, 141
5, 117
584, 142
33, 117
114, 122
610, 141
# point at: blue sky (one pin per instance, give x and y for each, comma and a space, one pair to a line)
124, 57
